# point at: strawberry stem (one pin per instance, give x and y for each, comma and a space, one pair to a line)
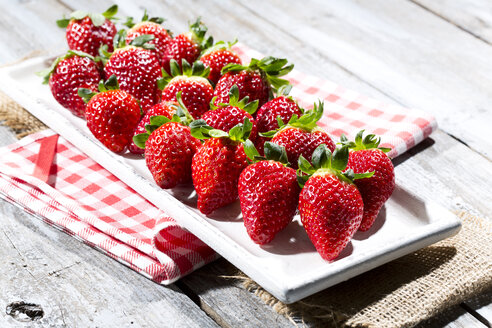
370, 141
239, 133
249, 107
270, 67
323, 160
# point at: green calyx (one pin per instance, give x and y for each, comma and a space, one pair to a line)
249, 107
182, 112
155, 123
96, 18
181, 116
119, 41
307, 122
270, 67
198, 31
284, 90
220, 45
142, 41
324, 161
197, 69
272, 152
109, 84
46, 73
129, 20
239, 133
370, 141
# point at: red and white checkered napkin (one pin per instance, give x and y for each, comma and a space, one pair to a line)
50, 178
348, 112
53, 180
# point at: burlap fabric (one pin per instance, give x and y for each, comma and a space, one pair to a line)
401, 293
18, 119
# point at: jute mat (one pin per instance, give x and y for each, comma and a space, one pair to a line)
401, 293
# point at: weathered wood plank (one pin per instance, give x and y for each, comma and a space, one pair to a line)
268, 37
473, 16
77, 286
402, 50
226, 299
29, 26
455, 317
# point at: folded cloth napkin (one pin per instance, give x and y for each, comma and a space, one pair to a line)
50, 178
47, 176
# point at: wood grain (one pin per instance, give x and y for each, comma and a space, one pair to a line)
29, 27
77, 286
394, 51
402, 50
472, 16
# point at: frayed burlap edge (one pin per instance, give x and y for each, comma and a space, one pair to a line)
17, 118
395, 294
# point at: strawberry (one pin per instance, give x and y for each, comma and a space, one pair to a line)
169, 149
301, 136
67, 74
366, 155
330, 205
137, 68
268, 193
217, 57
164, 108
191, 81
150, 26
218, 163
187, 46
111, 114
229, 115
258, 80
87, 32
282, 106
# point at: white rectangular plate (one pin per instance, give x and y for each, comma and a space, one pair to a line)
289, 267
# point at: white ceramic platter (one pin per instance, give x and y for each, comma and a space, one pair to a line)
289, 267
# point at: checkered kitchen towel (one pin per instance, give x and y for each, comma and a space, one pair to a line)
50, 178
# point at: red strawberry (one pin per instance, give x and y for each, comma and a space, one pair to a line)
366, 155
301, 135
87, 32
164, 108
217, 164
268, 192
257, 80
267, 116
137, 69
187, 46
67, 74
111, 115
150, 26
330, 205
192, 83
169, 149
229, 115
217, 57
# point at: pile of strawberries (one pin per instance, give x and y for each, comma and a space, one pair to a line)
198, 114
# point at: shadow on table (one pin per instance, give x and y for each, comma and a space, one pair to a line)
427, 143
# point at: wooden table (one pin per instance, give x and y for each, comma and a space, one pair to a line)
434, 55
